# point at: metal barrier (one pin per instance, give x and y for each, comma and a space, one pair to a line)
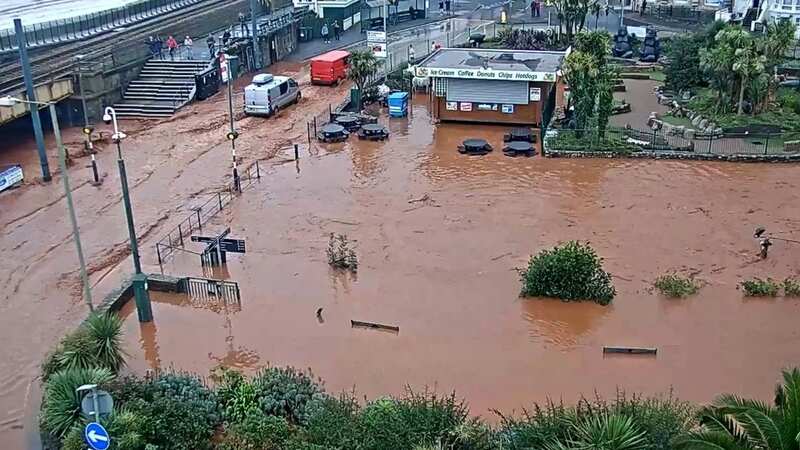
786, 143
176, 237
213, 294
74, 28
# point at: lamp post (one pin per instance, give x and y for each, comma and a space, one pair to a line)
11, 101
232, 134
143, 308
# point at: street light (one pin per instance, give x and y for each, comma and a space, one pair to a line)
62, 161
140, 294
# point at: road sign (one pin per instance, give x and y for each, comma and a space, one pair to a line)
96, 436
232, 245
376, 36
105, 404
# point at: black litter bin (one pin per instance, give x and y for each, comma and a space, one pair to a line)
306, 34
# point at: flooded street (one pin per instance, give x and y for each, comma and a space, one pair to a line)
443, 270
170, 163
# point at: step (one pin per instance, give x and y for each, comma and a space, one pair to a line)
185, 88
160, 108
177, 99
167, 76
161, 83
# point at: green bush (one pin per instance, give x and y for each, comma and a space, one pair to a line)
61, 405
571, 271
287, 392
760, 288
257, 431
676, 286
791, 287
96, 343
334, 422
236, 394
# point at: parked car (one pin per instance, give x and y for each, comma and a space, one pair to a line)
330, 68
267, 94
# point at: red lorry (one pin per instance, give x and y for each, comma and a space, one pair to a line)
330, 68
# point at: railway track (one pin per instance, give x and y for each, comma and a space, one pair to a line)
58, 62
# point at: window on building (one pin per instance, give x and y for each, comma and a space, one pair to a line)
787, 4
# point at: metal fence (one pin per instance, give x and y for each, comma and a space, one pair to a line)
213, 294
74, 28
176, 237
633, 140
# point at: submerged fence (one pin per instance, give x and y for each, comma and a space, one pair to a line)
176, 237
632, 140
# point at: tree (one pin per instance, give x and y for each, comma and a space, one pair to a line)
605, 99
717, 60
595, 43
683, 69
571, 15
734, 423
774, 45
748, 64
363, 66
580, 73
603, 432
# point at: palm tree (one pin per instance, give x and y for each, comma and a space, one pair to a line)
748, 63
734, 423
363, 66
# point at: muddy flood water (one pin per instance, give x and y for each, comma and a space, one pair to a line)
439, 235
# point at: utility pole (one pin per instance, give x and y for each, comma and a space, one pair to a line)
254, 33
232, 134
31, 94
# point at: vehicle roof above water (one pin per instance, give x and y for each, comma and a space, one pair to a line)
266, 80
333, 55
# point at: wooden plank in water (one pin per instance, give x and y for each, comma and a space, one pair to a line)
377, 326
630, 350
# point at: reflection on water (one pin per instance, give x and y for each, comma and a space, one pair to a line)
443, 270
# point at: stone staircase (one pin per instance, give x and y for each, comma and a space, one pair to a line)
162, 88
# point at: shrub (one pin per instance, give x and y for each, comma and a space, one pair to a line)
334, 422
288, 393
95, 343
237, 396
257, 431
340, 253
664, 419
760, 288
791, 287
572, 271
415, 419
61, 406
676, 286
536, 427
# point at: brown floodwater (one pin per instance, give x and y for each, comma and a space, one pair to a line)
443, 271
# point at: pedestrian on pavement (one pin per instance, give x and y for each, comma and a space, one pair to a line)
243, 24
151, 45
441, 7
411, 54
226, 36
336, 29
187, 44
447, 6
537, 5
172, 45
211, 44
644, 6
324, 33
159, 47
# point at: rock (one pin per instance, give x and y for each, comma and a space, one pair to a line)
703, 124
696, 120
688, 134
679, 130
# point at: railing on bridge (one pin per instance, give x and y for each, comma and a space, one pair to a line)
74, 28
213, 294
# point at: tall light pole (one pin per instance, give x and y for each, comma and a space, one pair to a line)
253, 25
143, 308
11, 101
232, 133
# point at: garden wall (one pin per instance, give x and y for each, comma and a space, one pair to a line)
675, 155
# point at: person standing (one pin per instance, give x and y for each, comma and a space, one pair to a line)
243, 24
226, 36
151, 45
441, 7
211, 42
336, 29
172, 45
187, 44
324, 33
538, 7
411, 54
644, 6
159, 47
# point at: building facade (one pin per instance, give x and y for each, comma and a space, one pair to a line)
493, 86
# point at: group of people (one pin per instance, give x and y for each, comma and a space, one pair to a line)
157, 45
444, 6
536, 8
326, 33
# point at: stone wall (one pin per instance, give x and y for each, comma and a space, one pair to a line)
676, 155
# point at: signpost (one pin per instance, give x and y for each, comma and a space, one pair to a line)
376, 41
96, 436
214, 253
10, 177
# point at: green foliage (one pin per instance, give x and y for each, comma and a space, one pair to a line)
591, 80
61, 406
683, 69
596, 44
174, 411
732, 422
760, 288
603, 432
789, 99
571, 271
287, 392
527, 39
237, 396
363, 66
257, 431
580, 73
334, 422
791, 287
340, 253
590, 141
676, 286
96, 343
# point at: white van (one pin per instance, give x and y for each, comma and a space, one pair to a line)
267, 94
